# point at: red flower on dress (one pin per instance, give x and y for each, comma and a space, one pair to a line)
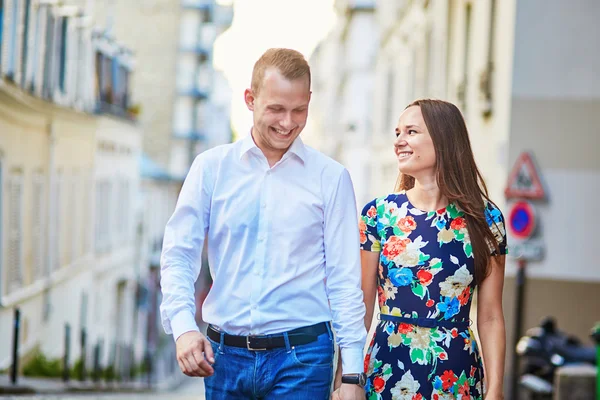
454, 332
417, 396
367, 362
394, 247
463, 298
430, 303
405, 328
464, 389
448, 379
473, 369
407, 224
372, 212
425, 277
362, 229
379, 384
458, 223
381, 296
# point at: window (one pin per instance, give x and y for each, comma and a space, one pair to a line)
48, 56
389, 98
12, 41
1, 27
463, 89
104, 77
62, 66
25, 44
15, 232
38, 204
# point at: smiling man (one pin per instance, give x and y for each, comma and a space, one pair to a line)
280, 223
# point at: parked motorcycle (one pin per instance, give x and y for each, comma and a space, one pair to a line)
542, 350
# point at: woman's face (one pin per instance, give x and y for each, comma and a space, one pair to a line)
413, 145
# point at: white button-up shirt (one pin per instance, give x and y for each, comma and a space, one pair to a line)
283, 246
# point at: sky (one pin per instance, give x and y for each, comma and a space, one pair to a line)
262, 24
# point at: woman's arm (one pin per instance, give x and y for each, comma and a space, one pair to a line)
490, 324
370, 266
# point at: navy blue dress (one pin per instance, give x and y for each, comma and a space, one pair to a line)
423, 347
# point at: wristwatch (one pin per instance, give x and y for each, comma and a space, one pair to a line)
355, 379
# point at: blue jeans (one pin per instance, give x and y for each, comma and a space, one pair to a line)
291, 373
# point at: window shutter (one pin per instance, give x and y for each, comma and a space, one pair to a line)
6, 36
56, 224
15, 232
38, 213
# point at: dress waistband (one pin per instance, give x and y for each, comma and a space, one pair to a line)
427, 322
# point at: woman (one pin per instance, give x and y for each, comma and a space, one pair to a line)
425, 249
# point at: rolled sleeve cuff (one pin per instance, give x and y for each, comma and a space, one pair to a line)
183, 322
352, 360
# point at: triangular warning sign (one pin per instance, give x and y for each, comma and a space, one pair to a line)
524, 180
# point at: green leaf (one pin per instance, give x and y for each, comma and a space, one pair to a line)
380, 209
419, 290
462, 379
430, 214
437, 350
388, 370
424, 257
436, 266
459, 235
453, 211
393, 220
417, 356
373, 395
468, 249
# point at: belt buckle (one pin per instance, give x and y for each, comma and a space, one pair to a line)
250, 348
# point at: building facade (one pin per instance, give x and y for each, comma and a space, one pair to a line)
69, 142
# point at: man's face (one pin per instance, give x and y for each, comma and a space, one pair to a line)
280, 110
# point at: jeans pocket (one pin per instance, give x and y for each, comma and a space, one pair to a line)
317, 354
215, 348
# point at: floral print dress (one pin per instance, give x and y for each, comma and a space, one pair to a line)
426, 273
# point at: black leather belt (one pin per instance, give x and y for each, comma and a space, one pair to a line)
296, 337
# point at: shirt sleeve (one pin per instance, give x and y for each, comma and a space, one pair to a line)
367, 228
495, 220
343, 273
182, 249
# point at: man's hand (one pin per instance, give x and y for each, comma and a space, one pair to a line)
193, 351
348, 392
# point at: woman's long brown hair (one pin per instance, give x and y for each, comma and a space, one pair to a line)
457, 176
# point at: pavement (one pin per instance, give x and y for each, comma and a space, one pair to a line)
187, 389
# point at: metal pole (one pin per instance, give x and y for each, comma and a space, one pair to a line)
66, 372
596, 336
82, 375
15, 347
518, 323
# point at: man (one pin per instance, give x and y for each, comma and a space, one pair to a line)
280, 221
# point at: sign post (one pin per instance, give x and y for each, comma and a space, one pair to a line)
524, 185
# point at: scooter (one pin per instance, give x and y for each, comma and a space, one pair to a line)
542, 350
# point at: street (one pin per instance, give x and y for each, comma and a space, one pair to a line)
190, 389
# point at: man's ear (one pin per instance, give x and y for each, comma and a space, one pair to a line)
249, 99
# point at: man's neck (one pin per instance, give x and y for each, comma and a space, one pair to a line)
273, 156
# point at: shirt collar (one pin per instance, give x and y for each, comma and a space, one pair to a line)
298, 148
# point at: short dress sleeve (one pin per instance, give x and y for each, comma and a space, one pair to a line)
495, 220
367, 226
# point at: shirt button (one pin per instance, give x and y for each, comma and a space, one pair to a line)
269, 172
263, 205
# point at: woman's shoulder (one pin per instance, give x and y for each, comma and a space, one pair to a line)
381, 202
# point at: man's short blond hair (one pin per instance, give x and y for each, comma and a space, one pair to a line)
290, 63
